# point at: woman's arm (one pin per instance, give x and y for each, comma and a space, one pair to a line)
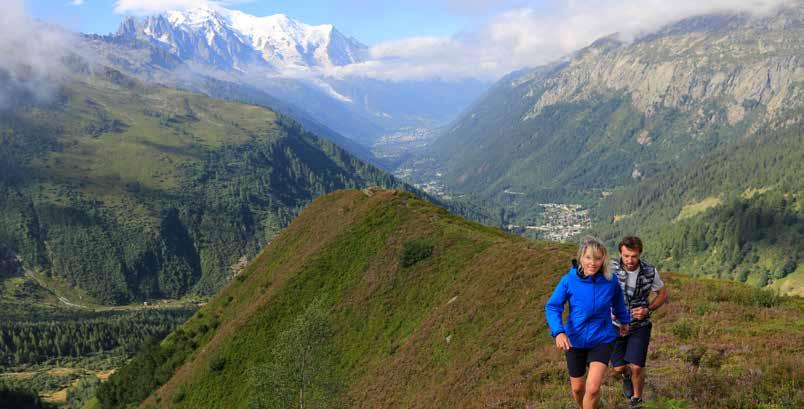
555, 307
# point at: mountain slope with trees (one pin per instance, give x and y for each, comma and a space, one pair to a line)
128, 192
690, 137
735, 214
615, 113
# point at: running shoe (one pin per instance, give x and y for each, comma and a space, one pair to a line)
628, 386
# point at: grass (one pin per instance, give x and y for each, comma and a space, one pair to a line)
464, 327
154, 145
792, 285
692, 209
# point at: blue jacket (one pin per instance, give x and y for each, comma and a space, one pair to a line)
591, 302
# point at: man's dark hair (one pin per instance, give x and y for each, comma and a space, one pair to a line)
632, 242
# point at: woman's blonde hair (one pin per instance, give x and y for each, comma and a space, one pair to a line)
591, 243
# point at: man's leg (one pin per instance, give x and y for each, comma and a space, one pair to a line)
638, 379
636, 355
597, 370
578, 386
620, 366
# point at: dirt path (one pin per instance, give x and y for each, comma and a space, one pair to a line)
61, 299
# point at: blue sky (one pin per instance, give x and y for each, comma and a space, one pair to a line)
412, 39
370, 22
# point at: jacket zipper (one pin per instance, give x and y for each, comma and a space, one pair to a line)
594, 301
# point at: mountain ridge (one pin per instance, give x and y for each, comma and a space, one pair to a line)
460, 325
655, 96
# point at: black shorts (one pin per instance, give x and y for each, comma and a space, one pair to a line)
578, 359
632, 349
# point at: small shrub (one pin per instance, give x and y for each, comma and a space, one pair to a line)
745, 296
415, 251
217, 364
763, 279
695, 355
714, 359
765, 298
683, 330
179, 396
789, 267
703, 309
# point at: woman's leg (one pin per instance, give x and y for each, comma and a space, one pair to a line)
578, 386
597, 370
576, 365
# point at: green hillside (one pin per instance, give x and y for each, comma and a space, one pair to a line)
383, 300
117, 191
735, 214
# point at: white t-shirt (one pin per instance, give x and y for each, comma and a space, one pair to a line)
632, 280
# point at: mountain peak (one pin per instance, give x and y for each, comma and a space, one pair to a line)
196, 16
232, 39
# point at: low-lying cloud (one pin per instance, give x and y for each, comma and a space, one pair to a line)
145, 7
535, 35
31, 56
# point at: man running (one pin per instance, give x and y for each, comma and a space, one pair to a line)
638, 280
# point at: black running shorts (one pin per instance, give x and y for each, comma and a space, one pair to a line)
578, 359
632, 349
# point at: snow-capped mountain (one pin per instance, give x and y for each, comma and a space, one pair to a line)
291, 62
231, 39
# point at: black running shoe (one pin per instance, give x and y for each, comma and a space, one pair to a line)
628, 387
636, 403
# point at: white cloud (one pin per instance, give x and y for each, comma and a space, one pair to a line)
475, 7
535, 35
525, 33
76, 2
30, 56
143, 7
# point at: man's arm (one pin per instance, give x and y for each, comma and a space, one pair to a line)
659, 300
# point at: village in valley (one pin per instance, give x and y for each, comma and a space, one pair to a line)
560, 222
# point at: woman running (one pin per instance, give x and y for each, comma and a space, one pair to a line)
588, 334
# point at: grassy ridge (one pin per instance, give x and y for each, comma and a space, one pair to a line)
460, 327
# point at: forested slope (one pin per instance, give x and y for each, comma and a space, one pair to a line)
127, 191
